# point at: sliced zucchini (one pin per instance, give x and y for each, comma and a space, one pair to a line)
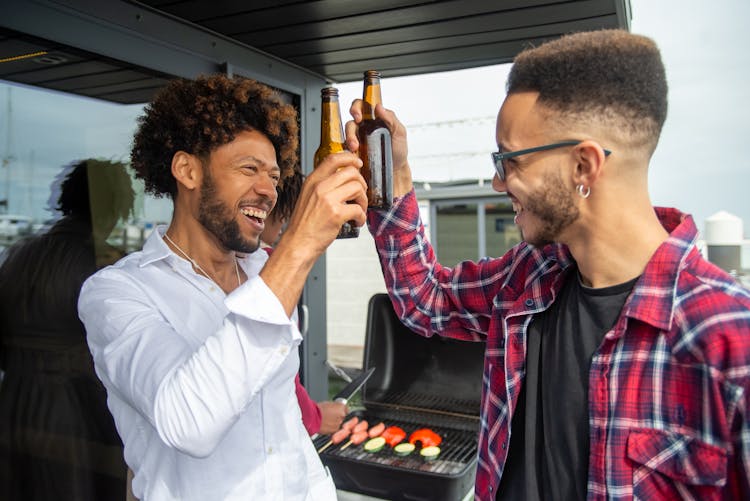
374, 444
403, 449
430, 453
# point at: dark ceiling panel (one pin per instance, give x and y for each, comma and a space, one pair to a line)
341, 38
202, 10
12, 47
71, 70
369, 53
90, 83
337, 39
39, 75
132, 96
138, 85
326, 18
497, 27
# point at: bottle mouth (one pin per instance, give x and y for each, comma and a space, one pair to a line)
329, 92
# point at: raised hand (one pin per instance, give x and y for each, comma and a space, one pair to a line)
402, 183
332, 194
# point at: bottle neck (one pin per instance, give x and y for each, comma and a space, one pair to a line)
371, 97
331, 129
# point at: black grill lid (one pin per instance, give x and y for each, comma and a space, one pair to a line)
414, 372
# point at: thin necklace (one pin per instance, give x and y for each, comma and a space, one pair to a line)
198, 267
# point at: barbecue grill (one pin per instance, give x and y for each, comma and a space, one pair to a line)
419, 383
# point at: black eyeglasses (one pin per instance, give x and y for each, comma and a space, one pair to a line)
499, 157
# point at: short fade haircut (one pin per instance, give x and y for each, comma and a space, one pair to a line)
198, 116
609, 76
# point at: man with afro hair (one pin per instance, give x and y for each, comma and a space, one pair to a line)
617, 362
195, 337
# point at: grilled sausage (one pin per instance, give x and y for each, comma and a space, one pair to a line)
376, 430
358, 437
350, 424
361, 426
340, 436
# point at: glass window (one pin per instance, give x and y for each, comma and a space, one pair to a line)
456, 232
500, 230
68, 206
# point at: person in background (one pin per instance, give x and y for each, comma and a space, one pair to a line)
195, 337
57, 438
617, 358
318, 417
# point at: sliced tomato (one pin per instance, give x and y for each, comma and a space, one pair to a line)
426, 437
393, 435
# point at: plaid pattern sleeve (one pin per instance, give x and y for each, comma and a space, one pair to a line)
429, 298
669, 412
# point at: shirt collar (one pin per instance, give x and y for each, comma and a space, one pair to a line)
654, 295
156, 249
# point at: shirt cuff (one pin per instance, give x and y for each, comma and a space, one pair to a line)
256, 301
404, 213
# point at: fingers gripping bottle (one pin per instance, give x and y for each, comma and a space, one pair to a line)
332, 141
375, 146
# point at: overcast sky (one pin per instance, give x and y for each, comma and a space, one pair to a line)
701, 164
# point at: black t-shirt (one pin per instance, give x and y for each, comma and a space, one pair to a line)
549, 444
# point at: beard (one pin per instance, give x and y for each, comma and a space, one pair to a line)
555, 209
216, 217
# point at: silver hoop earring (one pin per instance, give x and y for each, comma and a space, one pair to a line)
583, 191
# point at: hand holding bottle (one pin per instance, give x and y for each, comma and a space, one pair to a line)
402, 182
333, 193
332, 141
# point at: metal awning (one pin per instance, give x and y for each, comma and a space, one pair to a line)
73, 45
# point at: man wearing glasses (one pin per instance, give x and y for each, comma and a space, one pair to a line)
618, 359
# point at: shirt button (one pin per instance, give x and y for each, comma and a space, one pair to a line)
503, 445
283, 350
211, 289
529, 302
490, 488
270, 450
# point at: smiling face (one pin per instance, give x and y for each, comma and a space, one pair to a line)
239, 190
542, 197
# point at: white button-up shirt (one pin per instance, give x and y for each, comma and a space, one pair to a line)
200, 383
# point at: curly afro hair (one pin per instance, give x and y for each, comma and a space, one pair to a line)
609, 75
197, 116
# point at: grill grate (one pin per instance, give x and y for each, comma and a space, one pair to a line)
426, 403
457, 450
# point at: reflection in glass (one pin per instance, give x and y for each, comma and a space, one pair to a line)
57, 437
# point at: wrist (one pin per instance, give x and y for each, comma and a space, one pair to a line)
402, 182
285, 272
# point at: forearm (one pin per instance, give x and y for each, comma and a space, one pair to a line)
402, 182
428, 297
286, 271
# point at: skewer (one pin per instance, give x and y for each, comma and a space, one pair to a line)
356, 439
326, 446
336, 438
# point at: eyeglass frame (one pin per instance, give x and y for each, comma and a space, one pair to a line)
499, 156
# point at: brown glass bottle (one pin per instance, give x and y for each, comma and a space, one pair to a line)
375, 146
332, 141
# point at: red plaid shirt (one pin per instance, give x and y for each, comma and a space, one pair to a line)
669, 410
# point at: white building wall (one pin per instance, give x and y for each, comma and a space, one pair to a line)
353, 275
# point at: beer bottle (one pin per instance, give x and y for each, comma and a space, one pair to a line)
375, 146
332, 141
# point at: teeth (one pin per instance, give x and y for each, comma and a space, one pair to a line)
516, 207
249, 211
